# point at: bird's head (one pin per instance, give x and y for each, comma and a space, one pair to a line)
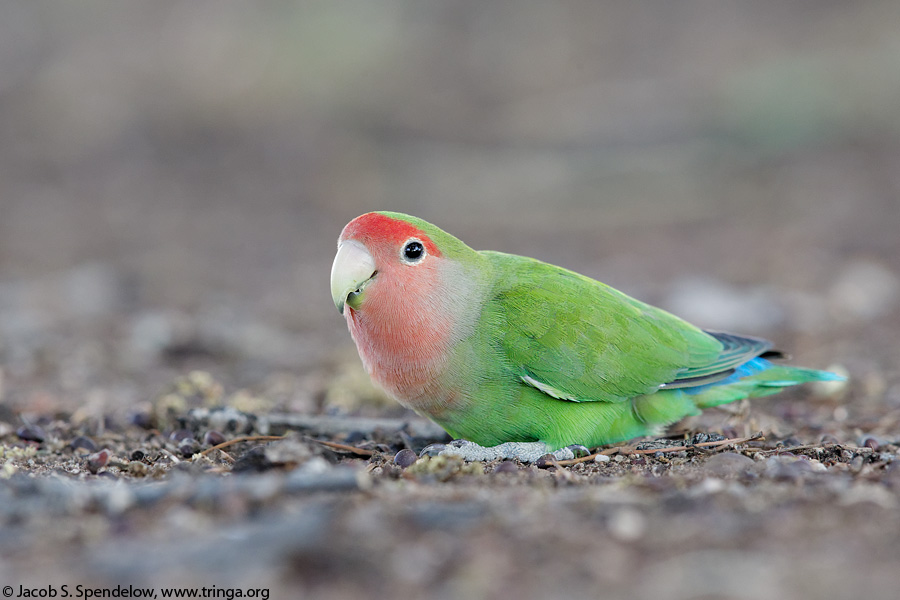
387, 251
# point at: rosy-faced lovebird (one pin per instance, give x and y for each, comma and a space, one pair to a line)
520, 357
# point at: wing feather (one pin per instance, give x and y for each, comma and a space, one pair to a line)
580, 340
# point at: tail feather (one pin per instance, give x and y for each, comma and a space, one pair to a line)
649, 414
757, 377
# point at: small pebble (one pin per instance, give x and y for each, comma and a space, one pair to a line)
602, 458
187, 447
507, 466
872, 443
405, 458
545, 461
84, 443
97, 461
729, 464
213, 438
31, 433
138, 455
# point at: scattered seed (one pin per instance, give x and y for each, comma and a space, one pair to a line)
97, 461
188, 447
213, 438
405, 458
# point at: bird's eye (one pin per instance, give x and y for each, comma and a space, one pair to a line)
413, 251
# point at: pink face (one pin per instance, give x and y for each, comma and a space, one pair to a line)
377, 252
389, 282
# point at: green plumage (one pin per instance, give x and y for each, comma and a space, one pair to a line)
537, 353
561, 358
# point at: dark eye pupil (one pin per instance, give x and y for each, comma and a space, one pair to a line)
413, 250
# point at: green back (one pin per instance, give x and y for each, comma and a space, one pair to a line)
582, 340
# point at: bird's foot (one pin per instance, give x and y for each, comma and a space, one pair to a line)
526, 452
702, 438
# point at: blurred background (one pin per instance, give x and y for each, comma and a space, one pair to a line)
173, 179
174, 175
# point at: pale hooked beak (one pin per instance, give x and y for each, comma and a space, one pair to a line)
352, 270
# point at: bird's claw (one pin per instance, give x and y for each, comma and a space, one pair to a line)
702, 438
578, 450
437, 449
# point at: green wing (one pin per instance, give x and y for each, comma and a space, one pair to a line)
736, 350
578, 339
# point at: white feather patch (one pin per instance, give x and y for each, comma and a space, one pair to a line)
547, 389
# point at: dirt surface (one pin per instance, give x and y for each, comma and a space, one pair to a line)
173, 177
812, 510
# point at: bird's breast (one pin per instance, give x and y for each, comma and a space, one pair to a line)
406, 354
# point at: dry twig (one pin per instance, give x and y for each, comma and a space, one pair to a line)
344, 447
632, 450
248, 438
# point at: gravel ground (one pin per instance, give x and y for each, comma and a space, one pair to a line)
809, 511
108, 477
173, 177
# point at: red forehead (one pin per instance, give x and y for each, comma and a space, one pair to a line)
375, 227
